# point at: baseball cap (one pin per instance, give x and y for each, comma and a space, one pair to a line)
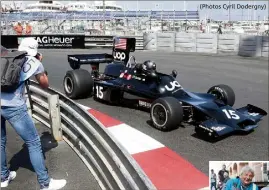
29, 45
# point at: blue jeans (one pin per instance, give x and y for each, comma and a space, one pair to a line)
23, 124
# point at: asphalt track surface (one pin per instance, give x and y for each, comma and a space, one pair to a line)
62, 163
247, 76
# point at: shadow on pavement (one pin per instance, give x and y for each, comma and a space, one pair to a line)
22, 159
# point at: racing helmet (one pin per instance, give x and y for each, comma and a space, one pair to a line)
149, 65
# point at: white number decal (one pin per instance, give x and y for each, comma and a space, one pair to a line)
119, 55
99, 92
254, 114
173, 84
218, 128
231, 114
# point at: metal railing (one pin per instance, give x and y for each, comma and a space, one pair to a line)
111, 165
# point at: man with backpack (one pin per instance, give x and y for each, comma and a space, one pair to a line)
16, 68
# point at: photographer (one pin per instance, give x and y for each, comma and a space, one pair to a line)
14, 110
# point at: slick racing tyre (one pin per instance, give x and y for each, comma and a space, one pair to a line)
78, 84
223, 93
166, 113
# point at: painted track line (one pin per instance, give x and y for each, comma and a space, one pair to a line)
164, 167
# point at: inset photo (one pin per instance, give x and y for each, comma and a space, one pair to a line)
239, 175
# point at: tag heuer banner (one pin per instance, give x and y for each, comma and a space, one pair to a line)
47, 41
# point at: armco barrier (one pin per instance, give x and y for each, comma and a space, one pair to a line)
108, 161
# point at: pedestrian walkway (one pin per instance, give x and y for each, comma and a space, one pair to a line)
61, 161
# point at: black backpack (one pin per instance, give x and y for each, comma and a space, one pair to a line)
11, 66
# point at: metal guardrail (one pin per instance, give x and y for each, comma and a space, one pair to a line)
112, 166
107, 41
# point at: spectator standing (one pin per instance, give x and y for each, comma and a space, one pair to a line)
221, 173
18, 28
28, 29
219, 30
213, 180
14, 110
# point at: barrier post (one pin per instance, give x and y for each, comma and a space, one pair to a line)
29, 109
55, 117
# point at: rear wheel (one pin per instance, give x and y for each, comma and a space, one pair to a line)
166, 113
78, 84
224, 93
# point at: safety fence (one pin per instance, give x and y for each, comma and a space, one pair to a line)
106, 159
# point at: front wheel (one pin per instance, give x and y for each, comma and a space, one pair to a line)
224, 93
166, 113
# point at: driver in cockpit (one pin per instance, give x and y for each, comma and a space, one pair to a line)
148, 68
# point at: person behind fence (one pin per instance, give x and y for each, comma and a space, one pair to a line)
18, 28
243, 181
14, 110
219, 29
28, 28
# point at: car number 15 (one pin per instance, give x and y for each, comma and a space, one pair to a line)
99, 92
230, 114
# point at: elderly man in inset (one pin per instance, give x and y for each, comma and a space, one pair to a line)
243, 182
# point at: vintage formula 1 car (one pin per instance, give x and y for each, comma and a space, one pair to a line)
126, 82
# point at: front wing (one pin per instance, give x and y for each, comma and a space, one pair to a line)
227, 119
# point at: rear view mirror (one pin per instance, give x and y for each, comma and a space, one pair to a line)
174, 73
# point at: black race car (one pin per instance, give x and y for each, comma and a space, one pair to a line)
124, 81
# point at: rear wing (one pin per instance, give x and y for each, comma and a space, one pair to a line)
82, 59
122, 46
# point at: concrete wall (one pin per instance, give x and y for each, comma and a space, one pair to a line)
206, 43
150, 41
185, 42
165, 42
230, 44
265, 46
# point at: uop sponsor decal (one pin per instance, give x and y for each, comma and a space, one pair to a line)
55, 41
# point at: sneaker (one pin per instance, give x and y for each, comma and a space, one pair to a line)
12, 175
55, 184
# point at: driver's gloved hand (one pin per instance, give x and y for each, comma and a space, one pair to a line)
152, 74
139, 66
